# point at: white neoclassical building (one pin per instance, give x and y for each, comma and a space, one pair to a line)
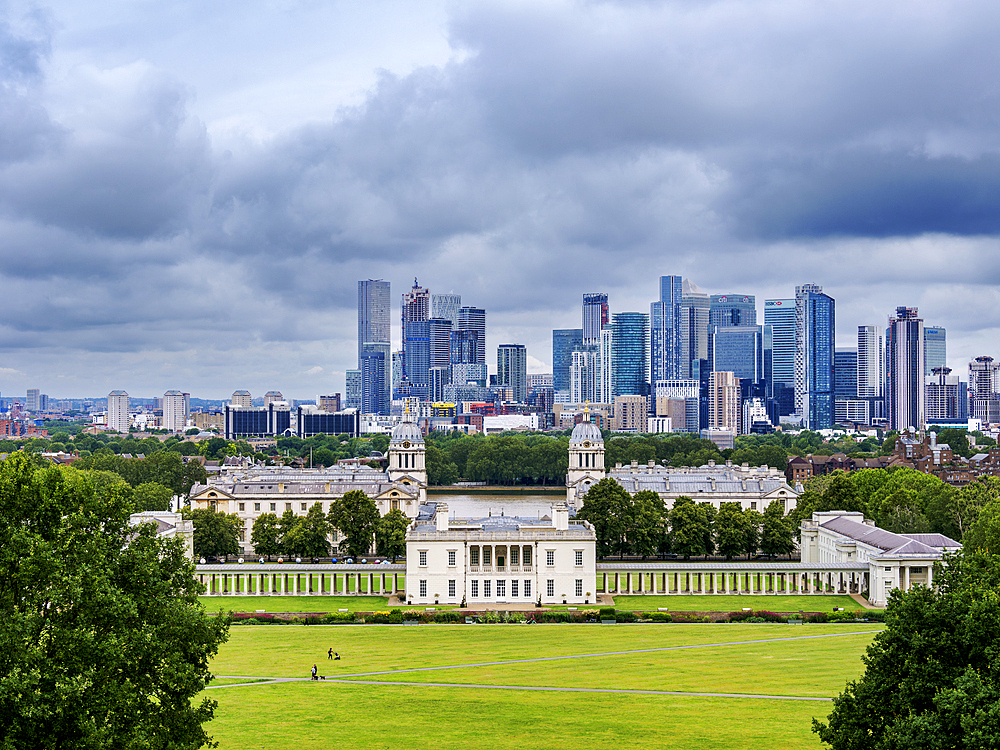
251, 490
895, 561
500, 559
753, 487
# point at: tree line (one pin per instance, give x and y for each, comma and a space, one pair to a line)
642, 525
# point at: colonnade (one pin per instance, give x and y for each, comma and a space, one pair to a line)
299, 580
729, 578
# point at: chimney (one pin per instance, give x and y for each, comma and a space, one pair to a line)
560, 516
441, 517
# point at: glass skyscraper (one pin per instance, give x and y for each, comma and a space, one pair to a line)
815, 333
474, 319
935, 349
564, 342
373, 313
779, 314
629, 354
845, 374
694, 311
732, 310
740, 350
664, 331
512, 369
595, 317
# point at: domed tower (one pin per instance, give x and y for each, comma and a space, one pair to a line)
407, 456
586, 462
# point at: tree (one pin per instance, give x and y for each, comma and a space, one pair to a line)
286, 532
265, 535
984, 534
440, 470
314, 530
688, 525
355, 516
647, 527
776, 536
102, 641
932, 677
390, 534
607, 505
215, 534
731, 529
152, 496
751, 539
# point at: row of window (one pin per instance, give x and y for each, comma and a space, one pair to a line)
550, 557
517, 588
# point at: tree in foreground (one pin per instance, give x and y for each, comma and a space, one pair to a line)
932, 677
355, 516
390, 534
102, 641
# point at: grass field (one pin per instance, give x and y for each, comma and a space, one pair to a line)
363, 710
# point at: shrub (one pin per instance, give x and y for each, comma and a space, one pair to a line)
660, 617
761, 616
607, 613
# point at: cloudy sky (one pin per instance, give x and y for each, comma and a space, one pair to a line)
190, 192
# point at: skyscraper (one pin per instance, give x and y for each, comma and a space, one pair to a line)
374, 397
815, 336
352, 389
694, 309
845, 373
446, 306
474, 319
415, 308
118, 417
732, 310
935, 349
905, 369
32, 400
417, 356
740, 350
724, 401
564, 342
242, 398
595, 317
871, 363
373, 313
942, 397
512, 369
984, 384
629, 354
779, 314
664, 330
174, 418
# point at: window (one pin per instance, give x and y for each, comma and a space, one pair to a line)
550, 588
579, 587
304, 507
526, 558
513, 589
578, 555
474, 556
486, 555
888, 570
475, 588
256, 506
423, 557
486, 588
513, 555
274, 506
243, 506
288, 506
550, 557
451, 557
423, 587
753, 505
916, 570
451, 589
527, 588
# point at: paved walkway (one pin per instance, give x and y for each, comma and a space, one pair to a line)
864, 602
346, 678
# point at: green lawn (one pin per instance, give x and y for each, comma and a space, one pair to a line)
322, 714
724, 603
294, 603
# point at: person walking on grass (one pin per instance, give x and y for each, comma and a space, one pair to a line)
329, 654
314, 672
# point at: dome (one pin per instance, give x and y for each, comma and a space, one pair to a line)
406, 431
586, 431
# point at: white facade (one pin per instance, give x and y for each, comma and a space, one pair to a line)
895, 561
500, 559
118, 419
174, 411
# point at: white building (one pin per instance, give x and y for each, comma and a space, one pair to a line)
500, 559
242, 398
895, 561
118, 418
169, 526
174, 411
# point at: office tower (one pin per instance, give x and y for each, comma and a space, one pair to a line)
539, 380
664, 330
256, 421
629, 354
904, 362
374, 397
352, 389
310, 420
417, 357
118, 418
694, 309
815, 335
740, 350
329, 402
605, 360
374, 309
935, 349
174, 418
564, 342
585, 374
984, 384
679, 400
415, 308
397, 370
732, 310
446, 306
724, 401
595, 317
31, 400
382, 348
474, 319
439, 330
512, 369
779, 314
942, 396
871, 363
845, 373
242, 398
